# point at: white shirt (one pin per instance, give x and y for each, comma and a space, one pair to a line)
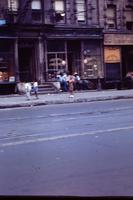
28, 86
35, 84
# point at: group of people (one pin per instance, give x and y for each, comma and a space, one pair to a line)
31, 87
69, 82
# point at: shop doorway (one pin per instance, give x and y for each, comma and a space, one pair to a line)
27, 65
74, 56
127, 66
127, 60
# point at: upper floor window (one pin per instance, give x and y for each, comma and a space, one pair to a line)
81, 10
111, 17
36, 5
59, 7
36, 11
129, 19
13, 5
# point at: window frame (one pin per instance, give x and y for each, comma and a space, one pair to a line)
113, 21
80, 14
13, 5
60, 13
35, 8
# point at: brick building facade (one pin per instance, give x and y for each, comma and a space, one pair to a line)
39, 38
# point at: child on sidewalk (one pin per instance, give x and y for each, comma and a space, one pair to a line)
35, 88
28, 90
71, 85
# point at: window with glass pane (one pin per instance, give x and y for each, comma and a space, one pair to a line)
36, 5
59, 7
80, 10
13, 5
36, 10
129, 19
56, 64
55, 46
6, 60
111, 16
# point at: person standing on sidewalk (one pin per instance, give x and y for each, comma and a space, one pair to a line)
71, 85
35, 88
28, 90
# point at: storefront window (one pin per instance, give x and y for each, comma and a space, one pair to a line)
56, 64
92, 61
6, 61
55, 46
91, 66
56, 58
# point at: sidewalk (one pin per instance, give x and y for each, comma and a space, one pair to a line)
12, 101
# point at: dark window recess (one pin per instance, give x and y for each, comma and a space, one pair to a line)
111, 26
130, 6
58, 17
36, 16
55, 46
129, 26
113, 72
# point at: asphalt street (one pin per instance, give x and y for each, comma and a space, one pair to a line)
70, 149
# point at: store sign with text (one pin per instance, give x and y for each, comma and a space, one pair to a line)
118, 39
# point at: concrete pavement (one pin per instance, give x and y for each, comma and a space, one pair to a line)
12, 101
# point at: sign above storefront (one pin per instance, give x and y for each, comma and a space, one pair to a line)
118, 39
112, 55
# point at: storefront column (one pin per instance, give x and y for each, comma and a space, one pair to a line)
82, 59
16, 60
41, 60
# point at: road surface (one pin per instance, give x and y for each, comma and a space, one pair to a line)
82, 149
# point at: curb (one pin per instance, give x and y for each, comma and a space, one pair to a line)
51, 102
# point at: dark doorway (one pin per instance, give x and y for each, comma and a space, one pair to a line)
27, 65
113, 72
74, 56
127, 60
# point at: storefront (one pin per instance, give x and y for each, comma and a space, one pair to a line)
81, 53
7, 65
39, 55
118, 53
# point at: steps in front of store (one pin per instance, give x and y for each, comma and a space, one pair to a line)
47, 88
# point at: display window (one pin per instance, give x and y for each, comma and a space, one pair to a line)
56, 59
6, 61
92, 60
